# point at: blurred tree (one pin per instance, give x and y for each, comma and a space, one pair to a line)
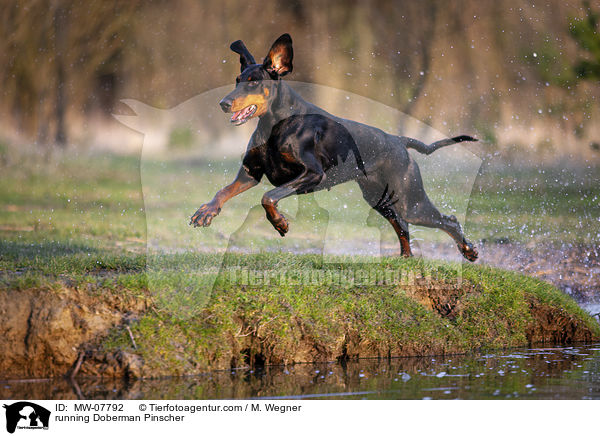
52, 51
423, 60
453, 65
60, 46
586, 33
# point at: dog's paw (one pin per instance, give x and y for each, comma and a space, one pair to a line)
203, 216
281, 224
469, 252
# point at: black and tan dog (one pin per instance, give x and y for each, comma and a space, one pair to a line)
301, 148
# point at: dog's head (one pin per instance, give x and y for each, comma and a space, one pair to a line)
256, 86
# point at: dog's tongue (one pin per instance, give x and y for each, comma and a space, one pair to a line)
240, 114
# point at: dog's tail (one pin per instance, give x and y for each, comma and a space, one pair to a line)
430, 148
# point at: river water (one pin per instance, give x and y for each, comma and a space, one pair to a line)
532, 373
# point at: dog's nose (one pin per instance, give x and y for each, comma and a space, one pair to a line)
225, 104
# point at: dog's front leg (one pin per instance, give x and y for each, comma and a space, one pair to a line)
206, 212
303, 184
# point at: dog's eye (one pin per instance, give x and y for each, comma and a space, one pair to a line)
253, 83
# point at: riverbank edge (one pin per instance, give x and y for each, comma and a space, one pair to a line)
67, 329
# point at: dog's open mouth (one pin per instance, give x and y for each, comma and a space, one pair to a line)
241, 116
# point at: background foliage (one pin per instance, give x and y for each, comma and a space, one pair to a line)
514, 72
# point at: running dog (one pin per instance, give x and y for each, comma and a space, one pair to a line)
301, 148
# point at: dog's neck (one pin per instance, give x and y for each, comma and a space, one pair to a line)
287, 103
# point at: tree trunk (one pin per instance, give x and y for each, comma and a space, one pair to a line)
60, 30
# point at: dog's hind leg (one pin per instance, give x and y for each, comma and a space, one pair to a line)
383, 200
414, 205
424, 213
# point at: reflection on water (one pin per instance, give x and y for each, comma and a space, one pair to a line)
537, 373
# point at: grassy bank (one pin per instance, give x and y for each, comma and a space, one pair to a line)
126, 321
429, 311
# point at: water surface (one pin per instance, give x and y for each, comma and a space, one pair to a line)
533, 373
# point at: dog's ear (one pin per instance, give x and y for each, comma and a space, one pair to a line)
279, 60
245, 57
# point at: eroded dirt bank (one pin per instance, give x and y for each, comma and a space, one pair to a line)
44, 332
54, 332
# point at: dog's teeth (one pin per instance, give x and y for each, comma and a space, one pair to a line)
243, 114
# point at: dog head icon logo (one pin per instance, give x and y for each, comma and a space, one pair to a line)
26, 415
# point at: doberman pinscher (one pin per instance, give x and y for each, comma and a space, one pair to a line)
301, 148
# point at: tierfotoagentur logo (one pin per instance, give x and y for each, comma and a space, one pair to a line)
340, 277
25, 415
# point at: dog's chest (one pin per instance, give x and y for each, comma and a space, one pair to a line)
280, 163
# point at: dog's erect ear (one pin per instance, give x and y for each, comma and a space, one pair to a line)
245, 57
279, 59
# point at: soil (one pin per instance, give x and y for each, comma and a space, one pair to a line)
43, 332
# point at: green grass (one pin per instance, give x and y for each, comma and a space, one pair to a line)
69, 216
104, 204
533, 205
75, 215
92, 201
